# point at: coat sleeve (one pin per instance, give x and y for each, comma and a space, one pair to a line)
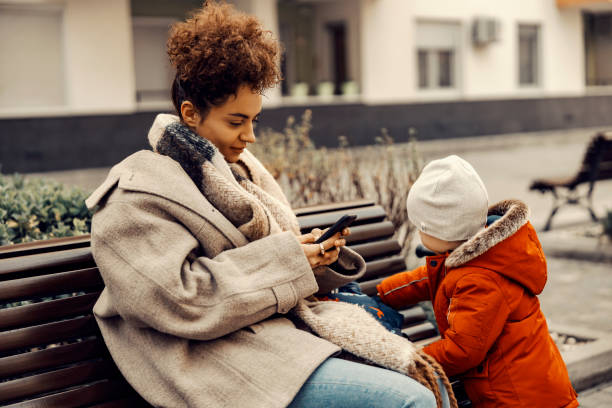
405, 288
476, 316
349, 267
154, 279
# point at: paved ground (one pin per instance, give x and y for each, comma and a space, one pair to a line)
597, 397
578, 293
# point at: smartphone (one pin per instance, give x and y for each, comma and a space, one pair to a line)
341, 224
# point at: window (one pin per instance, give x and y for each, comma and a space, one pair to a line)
529, 54
297, 32
445, 72
31, 48
423, 68
598, 48
154, 74
437, 47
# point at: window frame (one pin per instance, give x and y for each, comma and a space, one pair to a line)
432, 57
151, 104
537, 70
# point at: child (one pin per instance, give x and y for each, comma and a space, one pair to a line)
483, 284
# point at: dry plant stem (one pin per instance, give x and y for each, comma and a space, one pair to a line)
309, 176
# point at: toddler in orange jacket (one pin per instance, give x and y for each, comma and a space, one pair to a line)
483, 282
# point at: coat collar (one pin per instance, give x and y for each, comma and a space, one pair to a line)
514, 214
152, 173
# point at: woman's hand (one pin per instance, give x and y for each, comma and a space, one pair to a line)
321, 254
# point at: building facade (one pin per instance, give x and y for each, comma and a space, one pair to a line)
81, 80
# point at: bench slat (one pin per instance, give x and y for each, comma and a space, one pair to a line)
85, 395
369, 287
123, 403
47, 333
54, 380
415, 314
40, 312
424, 342
420, 331
47, 285
377, 249
315, 209
18, 364
384, 267
47, 245
39, 264
370, 232
364, 215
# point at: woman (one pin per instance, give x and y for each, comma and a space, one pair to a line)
203, 259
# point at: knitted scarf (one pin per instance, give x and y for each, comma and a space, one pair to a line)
257, 213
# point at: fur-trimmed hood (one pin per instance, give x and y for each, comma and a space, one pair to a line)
508, 246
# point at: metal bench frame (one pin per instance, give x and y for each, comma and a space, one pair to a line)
51, 351
596, 165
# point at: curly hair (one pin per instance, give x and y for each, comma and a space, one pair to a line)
218, 50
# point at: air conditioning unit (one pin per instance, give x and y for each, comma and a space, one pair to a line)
485, 30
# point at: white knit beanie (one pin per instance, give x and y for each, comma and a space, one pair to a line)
449, 200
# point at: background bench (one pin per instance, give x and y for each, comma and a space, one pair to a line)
51, 351
596, 165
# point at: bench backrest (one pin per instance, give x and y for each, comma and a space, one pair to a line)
51, 350
597, 161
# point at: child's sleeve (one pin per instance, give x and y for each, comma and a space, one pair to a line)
476, 316
405, 288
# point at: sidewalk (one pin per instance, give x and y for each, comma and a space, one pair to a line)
597, 397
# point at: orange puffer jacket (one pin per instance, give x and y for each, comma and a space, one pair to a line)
494, 335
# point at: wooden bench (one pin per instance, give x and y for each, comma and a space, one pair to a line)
51, 350
596, 165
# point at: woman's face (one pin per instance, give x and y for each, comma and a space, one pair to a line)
230, 127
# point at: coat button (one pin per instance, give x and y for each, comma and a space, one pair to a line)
433, 263
480, 368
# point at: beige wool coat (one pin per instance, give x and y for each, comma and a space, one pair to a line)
192, 313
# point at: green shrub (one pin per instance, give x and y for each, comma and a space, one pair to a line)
34, 209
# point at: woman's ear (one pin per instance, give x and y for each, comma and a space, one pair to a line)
190, 114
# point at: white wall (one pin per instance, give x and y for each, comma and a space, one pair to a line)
389, 56
565, 54
91, 59
99, 55
31, 50
387, 52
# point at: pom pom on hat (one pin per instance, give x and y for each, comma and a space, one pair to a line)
449, 200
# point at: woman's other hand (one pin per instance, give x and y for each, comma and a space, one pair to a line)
314, 254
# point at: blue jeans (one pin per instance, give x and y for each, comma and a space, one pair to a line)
340, 383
